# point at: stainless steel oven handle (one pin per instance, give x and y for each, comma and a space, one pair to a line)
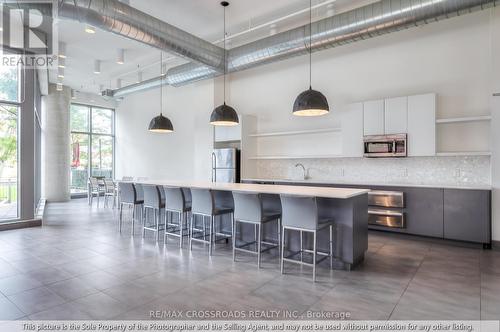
385, 212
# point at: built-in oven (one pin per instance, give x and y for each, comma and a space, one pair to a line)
386, 208
385, 146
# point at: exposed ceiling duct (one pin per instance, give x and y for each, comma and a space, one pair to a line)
118, 17
362, 23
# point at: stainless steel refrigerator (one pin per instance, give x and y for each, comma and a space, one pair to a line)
226, 165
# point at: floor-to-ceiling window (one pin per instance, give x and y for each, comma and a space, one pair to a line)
9, 110
92, 145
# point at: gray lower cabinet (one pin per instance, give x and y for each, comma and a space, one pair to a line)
467, 215
424, 211
453, 214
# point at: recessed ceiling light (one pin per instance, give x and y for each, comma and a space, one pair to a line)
62, 50
61, 63
89, 29
120, 57
97, 67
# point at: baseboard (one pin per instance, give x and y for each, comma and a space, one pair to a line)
20, 224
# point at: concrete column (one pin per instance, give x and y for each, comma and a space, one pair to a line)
56, 145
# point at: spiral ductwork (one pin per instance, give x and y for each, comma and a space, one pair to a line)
369, 21
124, 20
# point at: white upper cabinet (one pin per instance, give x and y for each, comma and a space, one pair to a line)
352, 130
227, 133
373, 112
396, 115
422, 125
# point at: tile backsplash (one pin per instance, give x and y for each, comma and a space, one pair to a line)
447, 171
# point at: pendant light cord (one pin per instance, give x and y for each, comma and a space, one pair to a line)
310, 44
161, 83
224, 55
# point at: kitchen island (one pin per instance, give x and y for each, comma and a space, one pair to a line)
347, 206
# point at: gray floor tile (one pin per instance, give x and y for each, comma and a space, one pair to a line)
48, 275
8, 310
17, 283
72, 289
66, 311
36, 300
100, 306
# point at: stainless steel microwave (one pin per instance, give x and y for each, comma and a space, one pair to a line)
385, 146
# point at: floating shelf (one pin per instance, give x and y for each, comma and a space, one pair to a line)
295, 157
298, 132
465, 119
464, 153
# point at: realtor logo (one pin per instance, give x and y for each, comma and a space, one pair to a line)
27, 27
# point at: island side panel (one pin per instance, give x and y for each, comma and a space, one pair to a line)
351, 235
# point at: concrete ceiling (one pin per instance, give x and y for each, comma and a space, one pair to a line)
203, 18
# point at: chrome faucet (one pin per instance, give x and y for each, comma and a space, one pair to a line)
305, 177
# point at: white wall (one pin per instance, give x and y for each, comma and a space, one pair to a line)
184, 154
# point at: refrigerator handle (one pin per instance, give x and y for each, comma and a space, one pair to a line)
214, 167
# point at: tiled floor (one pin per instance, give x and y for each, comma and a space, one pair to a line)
77, 266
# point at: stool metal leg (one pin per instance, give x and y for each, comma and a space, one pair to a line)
210, 245
133, 219
282, 249
191, 232
181, 226
331, 247
259, 239
121, 218
234, 239
314, 256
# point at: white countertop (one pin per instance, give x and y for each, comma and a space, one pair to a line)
312, 182
323, 192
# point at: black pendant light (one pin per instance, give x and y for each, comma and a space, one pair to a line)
160, 123
310, 102
224, 115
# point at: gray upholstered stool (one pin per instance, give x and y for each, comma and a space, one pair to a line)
249, 209
301, 214
130, 197
205, 206
176, 203
154, 200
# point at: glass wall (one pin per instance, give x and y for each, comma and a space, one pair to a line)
9, 110
92, 145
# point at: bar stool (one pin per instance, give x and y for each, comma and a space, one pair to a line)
129, 196
154, 199
249, 209
110, 190
205, 205
176, 202
94, 190
301, 214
